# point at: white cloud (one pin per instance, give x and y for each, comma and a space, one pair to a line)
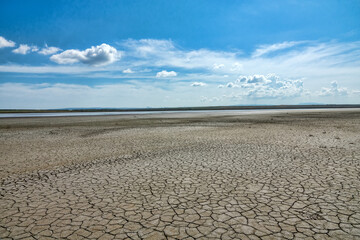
256, 79
164, 74
149, 47
49, 50
231, 85
218, 66
269, 86
6, 43
228, 85
158, 53
335, 90
264, 49
320, 60
103, 54
198, 84
25, 49
128, 71
236, 67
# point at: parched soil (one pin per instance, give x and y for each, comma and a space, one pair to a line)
172, 176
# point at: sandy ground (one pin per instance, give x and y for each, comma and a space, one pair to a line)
182, 176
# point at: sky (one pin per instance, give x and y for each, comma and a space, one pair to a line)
139, 53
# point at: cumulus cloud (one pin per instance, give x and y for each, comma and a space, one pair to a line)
231, 85
49, 50
269, 86
128, 71
165, 73
103, 54
25, 49
256, 79
198, 84
6, 43
334, 90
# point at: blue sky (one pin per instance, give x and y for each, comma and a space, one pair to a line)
56, 54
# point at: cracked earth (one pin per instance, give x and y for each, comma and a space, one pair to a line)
271, 176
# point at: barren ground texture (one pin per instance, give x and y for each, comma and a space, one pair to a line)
292, 175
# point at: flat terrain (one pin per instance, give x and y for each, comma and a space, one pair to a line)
280, 175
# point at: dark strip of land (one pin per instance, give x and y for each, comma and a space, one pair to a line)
182, 108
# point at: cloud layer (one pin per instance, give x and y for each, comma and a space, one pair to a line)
302, 71
103, 54
143, 94
160, 53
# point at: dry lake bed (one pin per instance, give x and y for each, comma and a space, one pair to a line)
277, 175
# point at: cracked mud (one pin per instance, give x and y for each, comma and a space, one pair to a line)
274, 176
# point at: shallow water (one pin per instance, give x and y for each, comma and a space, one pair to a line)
238, 112
63, 114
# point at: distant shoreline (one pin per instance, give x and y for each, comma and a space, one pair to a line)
322, 106
169, 114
